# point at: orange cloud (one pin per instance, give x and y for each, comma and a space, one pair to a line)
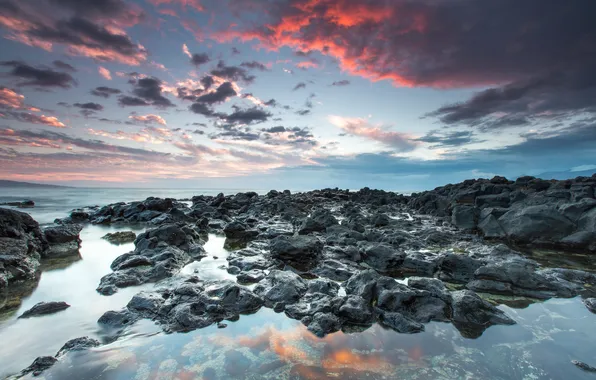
105, 73
10, 99
360, 127
149, 119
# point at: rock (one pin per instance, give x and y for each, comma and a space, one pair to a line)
383, 257
583, 366
22, 204
120, 237
590, 304
281, 287
251, 276
491, 228
146, 304
21, 245
464, 217
117, 318
323, 286
237, 230
296, 249
363, 284
317, 222
380, 220
63, 240
542, 223
356, 310
400, 323
323, 324
78, 344
472, 315
458, 268
45, 308
39, 365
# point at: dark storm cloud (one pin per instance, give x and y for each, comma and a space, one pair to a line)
105, 92
223, 93
456, 138
271, 103
126, 101
207, 82
232, 73
89, 106
278, 129
254, 65
201, 109
542, 98
199, 59
41, 77
150, 90
64, 66
299, 86
247, 116
340, 83
95, 8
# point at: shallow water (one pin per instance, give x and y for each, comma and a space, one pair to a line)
269, 345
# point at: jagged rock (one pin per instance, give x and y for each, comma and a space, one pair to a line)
458, 268
117, 318
298, 249
39, 365
120, 237
323, 324
472, 315
363, 284
78, 344
590, 304
542, 223
63, 240
464, 217
317, 222
400, 323
383, 257
583, 366
45, 308
281, 287
251, 276
355, 310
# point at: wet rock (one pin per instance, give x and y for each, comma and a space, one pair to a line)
297, 249
250, 277
21, 244
400, 323
419, 264
120, 237
39, 365
323, 324
248, 263
238, 230
590, 304
309, 305
583, 366
63, 234
363, 284
146, 304
317, 222
458, 268
281, 287
117, 319
323, 286
355, 310
541, 223
472, 315
464, 217
78, 344
45, 308
380, 220
22, 204
336, 270
383, 257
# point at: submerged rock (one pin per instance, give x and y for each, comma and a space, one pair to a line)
120, 237
583, 366
472, 315
39, 365
590, 304
78, 344
45, 308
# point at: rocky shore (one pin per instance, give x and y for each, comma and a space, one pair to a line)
336, 259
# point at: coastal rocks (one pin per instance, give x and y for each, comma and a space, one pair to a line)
472, 315
78, 344
458, 268
23, 204
464, 217
383, 257
583, 366
159, 253
238, 234
43, 363
542, 223
45, 308
296, 249
63, 240
317, 222
281, 288
590, 304
120, 237
400, 323
39, 365
21, 244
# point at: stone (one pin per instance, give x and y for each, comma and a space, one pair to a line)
583, 366
355, 310
400, 323
323, 324
120, 237
39, 365
363, 284
464, 217
117, 318
45, 308
299, 249
458, 268
281, 287
536, 223
78, 344
317, 222
383, 257
590, 304
472, 315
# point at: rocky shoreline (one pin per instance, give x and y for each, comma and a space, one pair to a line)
335, 259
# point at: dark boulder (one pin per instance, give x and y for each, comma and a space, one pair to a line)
590, 304
472, 315
400, 323
39, 365
317, 222
383, 257
281, 287
63, 240
78, 344
120, 237
458, 268
298, 249
45, 308
541, 223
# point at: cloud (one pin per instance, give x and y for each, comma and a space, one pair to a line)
64, 66
449, 139
232, 73
201, 109
147, 119
199, 59
87, 28
247, 116
401, 142
307, 65
194, 4
88, 109
223, 93
255, 65
207, 81
186, 51
299, 86
340, 83
303, 112
105, 73
105, 92
10, 98
148, 91
38, 76
147, 135
27, 117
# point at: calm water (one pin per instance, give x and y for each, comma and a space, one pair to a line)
267, 345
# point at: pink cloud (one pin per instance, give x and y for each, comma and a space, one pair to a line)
148, 119
105, 73
10, 98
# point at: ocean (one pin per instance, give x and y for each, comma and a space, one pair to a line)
264, 345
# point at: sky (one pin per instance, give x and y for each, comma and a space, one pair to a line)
396, 94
